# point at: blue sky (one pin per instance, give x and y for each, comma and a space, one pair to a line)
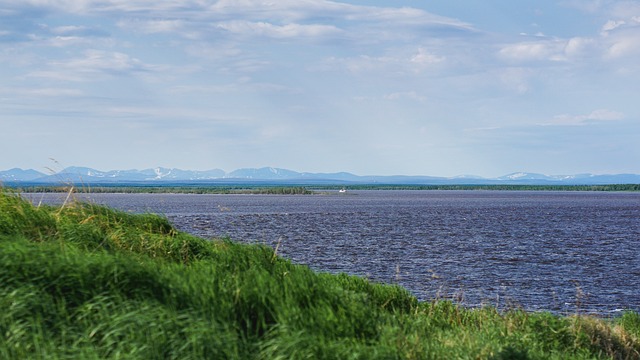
378, 87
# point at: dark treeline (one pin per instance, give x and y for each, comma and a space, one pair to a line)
612, 187
274, 190
306, 190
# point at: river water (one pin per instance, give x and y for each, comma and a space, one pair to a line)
563, 252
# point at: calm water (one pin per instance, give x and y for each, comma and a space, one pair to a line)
557, 251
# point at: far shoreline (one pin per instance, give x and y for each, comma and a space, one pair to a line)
296, 189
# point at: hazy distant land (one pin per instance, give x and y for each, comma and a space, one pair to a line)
277, 176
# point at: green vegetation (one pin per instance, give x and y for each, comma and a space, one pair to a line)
85, 281
172, 189
612, 187
302, 190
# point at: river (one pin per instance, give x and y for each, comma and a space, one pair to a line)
563, 252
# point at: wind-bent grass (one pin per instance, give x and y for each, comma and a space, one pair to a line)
85, 281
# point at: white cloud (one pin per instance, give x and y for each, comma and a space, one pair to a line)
404, 16
547, 50
423, 57
282, 18
579, 47
611, 25
66, 41
307, 10
605, 115
69, 29
95, 63
154, 25
108, 62
29, 6
619, 37
615, 44
623, 44
600, 115
265, 29
90, 6
285, 10
260, 10
397, 62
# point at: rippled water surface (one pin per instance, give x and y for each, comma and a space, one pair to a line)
557, 251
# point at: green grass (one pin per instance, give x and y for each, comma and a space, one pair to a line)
85, 281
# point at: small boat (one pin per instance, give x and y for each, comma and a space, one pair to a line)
343, 190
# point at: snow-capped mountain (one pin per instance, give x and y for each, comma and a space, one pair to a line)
85, 175
524, 176
88, 175
265, 173
579, 179
160, 173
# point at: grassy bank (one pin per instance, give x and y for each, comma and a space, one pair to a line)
85, 281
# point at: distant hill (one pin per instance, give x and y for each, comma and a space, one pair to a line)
266, 173
88, 175
580, 179
159, 175
20, 175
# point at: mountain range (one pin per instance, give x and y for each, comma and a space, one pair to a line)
159, 175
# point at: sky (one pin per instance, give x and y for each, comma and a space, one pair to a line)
371, 87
